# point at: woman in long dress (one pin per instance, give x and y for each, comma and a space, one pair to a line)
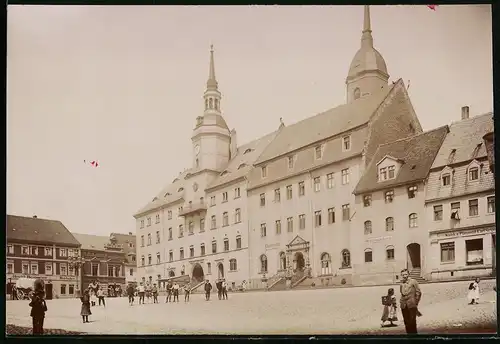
389, 313
85, 311
473, 295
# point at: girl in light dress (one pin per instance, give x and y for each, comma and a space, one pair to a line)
389, 313
473, 295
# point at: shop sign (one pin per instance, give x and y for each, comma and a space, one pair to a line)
269, 246
467, 232
378, 239
66, 277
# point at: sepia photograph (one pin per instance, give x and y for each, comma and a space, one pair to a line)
250, 170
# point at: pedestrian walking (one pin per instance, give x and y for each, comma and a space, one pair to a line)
169, 292
473, 295
218, 285
224, 289
175, 289
187, 291
38, 307
100, 296
85, 312
208, 288
130, 293
141, 290
389, 303
154, 291
410, 298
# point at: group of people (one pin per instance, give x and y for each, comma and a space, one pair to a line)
221, 286
409, 300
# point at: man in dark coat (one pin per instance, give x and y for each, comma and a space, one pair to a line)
208, 288
218, 285
130, 293
410, 298
169, 291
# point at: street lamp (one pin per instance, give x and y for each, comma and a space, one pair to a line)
76, 263
490, 149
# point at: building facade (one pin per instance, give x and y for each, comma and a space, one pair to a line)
104, 261
128, 243
460, 203
283, 209
41, 248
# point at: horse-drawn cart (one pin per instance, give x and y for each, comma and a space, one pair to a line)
25, 287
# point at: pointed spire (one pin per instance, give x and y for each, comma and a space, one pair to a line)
212, 82
366, 38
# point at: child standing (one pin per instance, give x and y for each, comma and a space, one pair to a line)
38, 307
187, 291
389, 303
473, 295
85, 312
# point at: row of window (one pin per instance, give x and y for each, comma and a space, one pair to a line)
473, 209
389, 223
113, 270
473, 252
472, 175
389, 195
48, 252
318, 154
330, 183
31, 268
71, 289
191, 251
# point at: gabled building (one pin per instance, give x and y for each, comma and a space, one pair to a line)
128, 242
41, 248
104, 261
389, 226
460, 203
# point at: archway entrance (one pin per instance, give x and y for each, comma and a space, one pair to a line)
171, 273
413, 256
221, 270
198, 275
282, 261
298, 261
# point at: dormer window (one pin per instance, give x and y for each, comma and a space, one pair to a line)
389, 196
290, 162
175, 180
263, 171
446, 179
167, 194
382, 175
357, 93
391, 171
476, 150
451, 157
473, 173
367, 200
412, 191
155, 199
180, 190
248, 150
241, 166
223, 173
346, 143
318, 152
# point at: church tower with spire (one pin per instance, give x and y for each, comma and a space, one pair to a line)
211, 135
368, 71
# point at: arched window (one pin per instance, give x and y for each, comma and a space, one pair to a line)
197, 162
233, 266
357, 93
216, 104
389, 252
389, 224
368, 227
326, 264
368, 255
346, 259
171, 273
413, 220
206, 104
210, 103
263, 263
282, 261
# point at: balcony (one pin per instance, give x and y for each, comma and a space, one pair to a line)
490, 149
193, 209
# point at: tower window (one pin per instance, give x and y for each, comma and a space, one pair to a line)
210, 103
357, 93
216, 104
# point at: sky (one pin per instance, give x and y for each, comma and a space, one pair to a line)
124, 84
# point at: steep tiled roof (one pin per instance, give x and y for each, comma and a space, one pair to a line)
38, 230
92, 242
324, 125
464, 138
416, 152
242, 163
125, 239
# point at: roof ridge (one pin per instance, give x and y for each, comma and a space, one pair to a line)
471, 118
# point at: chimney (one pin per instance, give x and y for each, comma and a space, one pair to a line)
465, 112
233, 145
35, 217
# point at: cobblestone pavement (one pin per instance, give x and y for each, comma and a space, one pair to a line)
313, 312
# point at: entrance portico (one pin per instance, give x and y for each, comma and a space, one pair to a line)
298, 254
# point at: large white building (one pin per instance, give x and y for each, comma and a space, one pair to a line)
281, 209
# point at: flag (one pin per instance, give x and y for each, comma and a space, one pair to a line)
432, 7
93, 163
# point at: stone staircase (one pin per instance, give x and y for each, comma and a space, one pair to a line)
274, 282
196, 288
279, 285
416, 274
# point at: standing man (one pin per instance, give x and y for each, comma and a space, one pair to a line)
410, 298
175, 288
155, 293
169, 291
208, 288
100, 296
130, 293
224, 289
218, 285
141, 290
